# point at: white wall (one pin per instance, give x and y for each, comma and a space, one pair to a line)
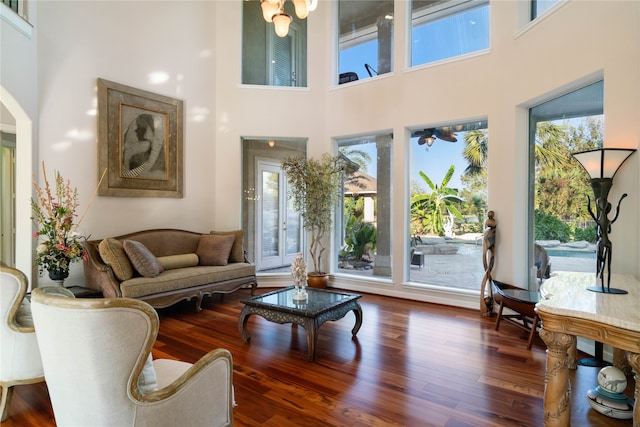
198, 44
18, 95
126, 42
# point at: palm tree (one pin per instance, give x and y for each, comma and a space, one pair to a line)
435, 206
550, 149
475, 151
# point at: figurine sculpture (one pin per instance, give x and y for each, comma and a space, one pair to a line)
299, 274
603, 244
488, 247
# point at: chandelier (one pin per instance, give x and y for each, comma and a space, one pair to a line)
273, 11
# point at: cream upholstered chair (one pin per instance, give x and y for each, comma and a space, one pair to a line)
20, 361
97, 363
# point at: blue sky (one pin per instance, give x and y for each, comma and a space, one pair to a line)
434, 162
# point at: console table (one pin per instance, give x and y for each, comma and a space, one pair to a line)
567, 310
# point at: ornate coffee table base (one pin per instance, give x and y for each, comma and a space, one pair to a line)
309, 323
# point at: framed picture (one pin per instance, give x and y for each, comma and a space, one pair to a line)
139, 142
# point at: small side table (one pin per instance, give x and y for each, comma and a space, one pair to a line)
80, 292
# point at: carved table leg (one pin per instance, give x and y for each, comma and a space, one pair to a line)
557, 388
311, 328
242, 324
634, 361
358, 313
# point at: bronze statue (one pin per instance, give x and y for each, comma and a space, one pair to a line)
603, 244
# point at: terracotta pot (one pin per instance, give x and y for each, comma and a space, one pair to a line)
317, 280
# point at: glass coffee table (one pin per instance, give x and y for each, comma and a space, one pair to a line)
320, 306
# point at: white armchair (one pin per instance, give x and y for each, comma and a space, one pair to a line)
96, 355
20, 361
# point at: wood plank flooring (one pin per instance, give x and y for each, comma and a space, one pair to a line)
412, 364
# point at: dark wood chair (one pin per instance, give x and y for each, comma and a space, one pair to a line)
520, 301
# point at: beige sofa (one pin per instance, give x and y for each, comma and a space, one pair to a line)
165, 266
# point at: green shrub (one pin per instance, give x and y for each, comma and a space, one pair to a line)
548, 227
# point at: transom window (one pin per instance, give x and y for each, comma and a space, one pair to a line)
538, 7
446, 29
365, 39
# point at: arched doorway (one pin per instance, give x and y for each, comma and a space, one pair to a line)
15, 120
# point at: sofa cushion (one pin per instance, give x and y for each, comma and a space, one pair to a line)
237, 253
171, 262
214, 249
142, 259
113, 254
188, 277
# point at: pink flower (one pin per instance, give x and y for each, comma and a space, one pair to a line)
36, 234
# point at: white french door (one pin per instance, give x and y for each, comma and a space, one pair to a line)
278, 225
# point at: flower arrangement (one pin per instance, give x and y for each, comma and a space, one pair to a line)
54, 214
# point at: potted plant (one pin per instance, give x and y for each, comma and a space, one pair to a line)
54, 213
315, 187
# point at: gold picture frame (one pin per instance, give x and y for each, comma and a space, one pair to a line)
139, 142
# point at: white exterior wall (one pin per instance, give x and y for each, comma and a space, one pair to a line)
198, 44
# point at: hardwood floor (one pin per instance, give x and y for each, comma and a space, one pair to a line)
412, 364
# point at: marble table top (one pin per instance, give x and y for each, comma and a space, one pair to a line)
565, 293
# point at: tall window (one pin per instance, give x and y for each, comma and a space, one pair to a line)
441, 30
268, 59
448, 204
538, 7
365, 39
363, 231
559, 219
12, 4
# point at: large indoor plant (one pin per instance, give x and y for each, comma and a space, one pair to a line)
315, 187
54, 215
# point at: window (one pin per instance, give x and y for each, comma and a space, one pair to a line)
448, 204
538, 7
365, 39
446, 29
268, 59
363, 231
12, 4
559, 220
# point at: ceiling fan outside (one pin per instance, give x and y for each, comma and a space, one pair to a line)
428, 136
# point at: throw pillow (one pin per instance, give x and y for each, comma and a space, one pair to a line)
171, 262
112, 253
237, 253
214, 249
148, 380
142, 259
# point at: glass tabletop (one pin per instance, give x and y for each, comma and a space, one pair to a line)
318, 300
522, 295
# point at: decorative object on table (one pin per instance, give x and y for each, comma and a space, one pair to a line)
602, 165
299, 274
139, 142
608, 397
54, 214
488, 258
315, 189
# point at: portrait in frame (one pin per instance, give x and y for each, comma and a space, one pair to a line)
139, 142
